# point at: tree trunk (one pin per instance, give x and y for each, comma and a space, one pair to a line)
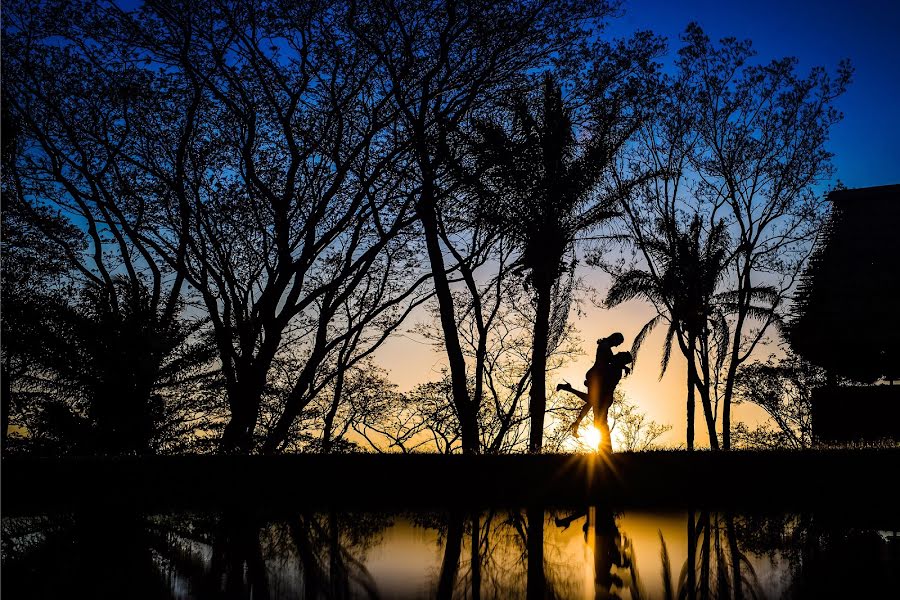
536, 581
238, 434
690, 395
710, 418
237, 438
450, 564
691, 557
538, 399
476, 556
734, 362
703, 387
726, 413
299, 396
328, 426
425, 210
245, 390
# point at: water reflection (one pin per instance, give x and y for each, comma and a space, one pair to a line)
592, 552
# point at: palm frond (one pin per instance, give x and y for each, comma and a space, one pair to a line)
668, 592
642, 334
722, 337
667, 349
632, 284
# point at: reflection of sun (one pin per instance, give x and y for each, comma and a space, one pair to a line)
591, 436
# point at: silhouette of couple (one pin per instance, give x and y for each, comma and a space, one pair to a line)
601, 381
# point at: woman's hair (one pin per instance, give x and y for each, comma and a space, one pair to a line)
623, 358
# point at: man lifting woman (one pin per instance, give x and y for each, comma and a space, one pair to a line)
601, 381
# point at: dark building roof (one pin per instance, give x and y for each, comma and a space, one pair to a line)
847, 312
890, 193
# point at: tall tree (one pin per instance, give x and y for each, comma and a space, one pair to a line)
95, 326
444, 61
542, 188
761, 155
684, 270
249, 150
741, 143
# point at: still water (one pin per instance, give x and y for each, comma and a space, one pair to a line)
588, 552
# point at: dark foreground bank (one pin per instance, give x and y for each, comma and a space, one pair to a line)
759, 480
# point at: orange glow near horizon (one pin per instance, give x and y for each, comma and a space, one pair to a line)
411, 360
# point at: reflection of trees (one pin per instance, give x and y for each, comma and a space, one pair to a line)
318, 555
94, 552
500, 554
505, 555
716, 567
450, 563
536, 582
491, 554
823, 553
328, 548
503, 551
231, 556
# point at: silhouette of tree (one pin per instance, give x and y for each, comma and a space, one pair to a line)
743, 144
33, 269
251, 152
635, 432
99, 342
35, 275
88, 369
542, 189
493, 327
113, 380
761, 148
444, 62
783, 388
496, 324
685, 268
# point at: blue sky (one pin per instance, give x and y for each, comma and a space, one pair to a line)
866, 143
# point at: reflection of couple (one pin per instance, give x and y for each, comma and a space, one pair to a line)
601, 381
614, 568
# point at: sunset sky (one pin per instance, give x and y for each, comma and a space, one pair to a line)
864, 144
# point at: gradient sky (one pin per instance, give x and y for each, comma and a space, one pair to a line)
865, 145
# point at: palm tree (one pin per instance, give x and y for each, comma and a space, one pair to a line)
538, 185
106, 360
682, 281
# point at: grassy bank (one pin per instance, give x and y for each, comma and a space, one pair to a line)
824, 480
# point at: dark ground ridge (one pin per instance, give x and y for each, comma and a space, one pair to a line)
858, 481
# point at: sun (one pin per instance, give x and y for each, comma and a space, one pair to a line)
591, 436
